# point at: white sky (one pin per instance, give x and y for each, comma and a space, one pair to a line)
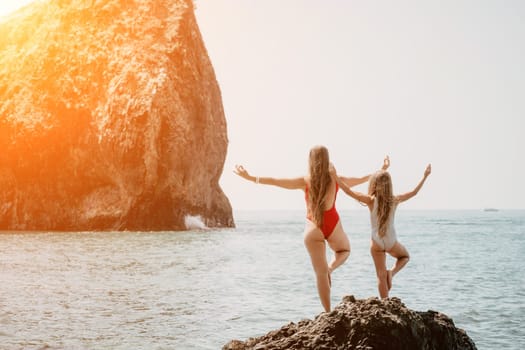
438, 82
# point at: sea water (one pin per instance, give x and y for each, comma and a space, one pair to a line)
199, 289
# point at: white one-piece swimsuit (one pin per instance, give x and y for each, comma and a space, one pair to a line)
389, 239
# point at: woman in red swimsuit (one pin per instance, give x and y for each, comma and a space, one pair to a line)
322, 224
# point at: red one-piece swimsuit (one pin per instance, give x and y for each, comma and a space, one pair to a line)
330, 216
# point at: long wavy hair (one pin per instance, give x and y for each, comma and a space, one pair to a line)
320, 180
380, 186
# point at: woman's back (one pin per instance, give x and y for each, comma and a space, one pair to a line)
329, 197
389, 238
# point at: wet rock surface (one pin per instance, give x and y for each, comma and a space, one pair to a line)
365, 324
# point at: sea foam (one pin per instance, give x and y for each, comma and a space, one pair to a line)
194, 222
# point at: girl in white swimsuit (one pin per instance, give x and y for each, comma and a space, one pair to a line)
389, 238
382, 204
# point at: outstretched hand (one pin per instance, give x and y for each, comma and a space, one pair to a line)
386, 163
239, 170
428, 170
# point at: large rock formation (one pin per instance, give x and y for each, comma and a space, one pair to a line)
111, 118
365, 324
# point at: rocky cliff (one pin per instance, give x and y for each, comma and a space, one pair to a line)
365, 324
111, 118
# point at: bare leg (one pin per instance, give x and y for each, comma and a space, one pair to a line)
314, 242
399, 252
379, 256
339, 243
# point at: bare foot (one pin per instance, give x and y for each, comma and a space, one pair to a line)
389, 279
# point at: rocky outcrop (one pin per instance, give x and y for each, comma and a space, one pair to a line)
365, 324
111, 118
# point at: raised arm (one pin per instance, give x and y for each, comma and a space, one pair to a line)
354, 181
406, 196
361, 197
290, 184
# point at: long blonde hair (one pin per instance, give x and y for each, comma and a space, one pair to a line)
320, 180
380, 186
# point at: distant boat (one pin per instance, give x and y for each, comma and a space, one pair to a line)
490, 209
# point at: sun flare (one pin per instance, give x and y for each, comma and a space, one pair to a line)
10, 6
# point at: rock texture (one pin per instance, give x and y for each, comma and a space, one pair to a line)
111, 118
365, 324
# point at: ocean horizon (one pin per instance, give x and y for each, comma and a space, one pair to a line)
199, 289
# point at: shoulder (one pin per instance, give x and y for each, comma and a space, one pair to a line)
372, 203
306, 180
